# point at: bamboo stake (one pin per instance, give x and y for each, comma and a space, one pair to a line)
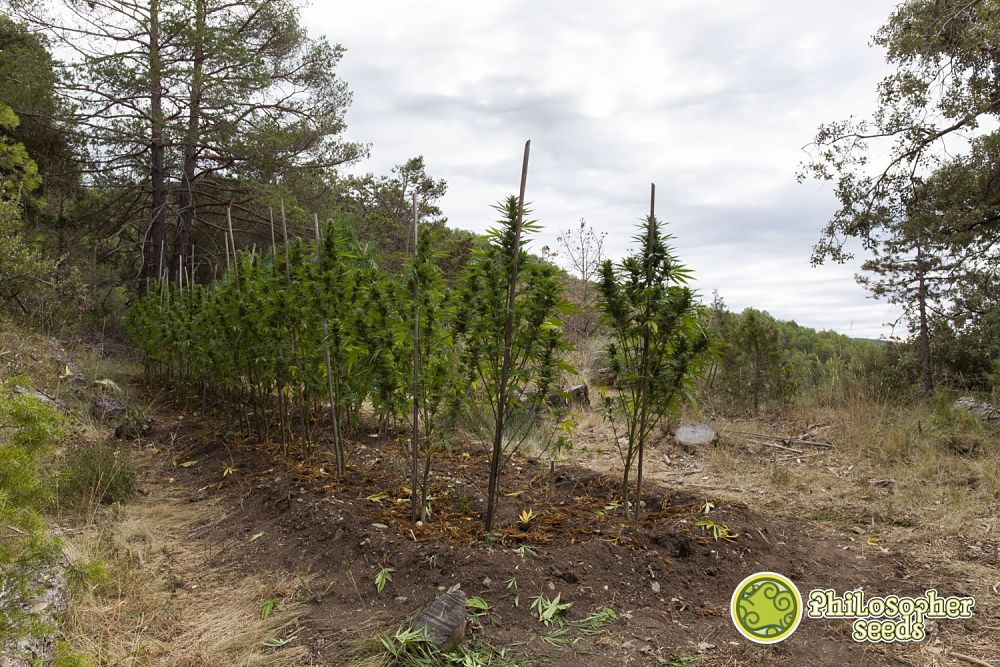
644, 389
274, 245
159, 272
232, 238
416, 368
508, 343
282, 403
337, 452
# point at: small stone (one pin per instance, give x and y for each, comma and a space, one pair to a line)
487, 583
400, 598
380, 526
656, 587
552, 586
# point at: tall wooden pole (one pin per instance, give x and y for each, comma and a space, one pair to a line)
331, 395
416, 367
644, 387
232, 238
270, 215
508, 338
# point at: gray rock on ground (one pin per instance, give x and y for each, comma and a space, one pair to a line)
978, 407
691, 436
106, 408
579, 395
50, 401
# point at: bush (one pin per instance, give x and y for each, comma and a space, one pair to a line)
94, 475
29, 429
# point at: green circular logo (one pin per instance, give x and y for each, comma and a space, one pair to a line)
766, 607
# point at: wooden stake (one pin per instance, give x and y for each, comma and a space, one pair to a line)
270, 215
331, 395
232, 237
491, 500
284, 235
416, 368
644, 388
159, 272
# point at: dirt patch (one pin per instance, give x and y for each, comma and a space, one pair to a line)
668, 580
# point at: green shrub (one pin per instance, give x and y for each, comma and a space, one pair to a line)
66, 656
94, 475
87, 576
28, 428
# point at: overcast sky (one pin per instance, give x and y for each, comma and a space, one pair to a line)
713, 101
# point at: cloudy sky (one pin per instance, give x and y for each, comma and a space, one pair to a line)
713, 101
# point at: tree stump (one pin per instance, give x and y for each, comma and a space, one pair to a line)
443, 621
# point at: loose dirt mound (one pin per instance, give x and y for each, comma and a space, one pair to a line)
669, 580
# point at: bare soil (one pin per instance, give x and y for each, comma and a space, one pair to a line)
668, 580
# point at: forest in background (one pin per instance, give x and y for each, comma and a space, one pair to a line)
131, 130
174, 186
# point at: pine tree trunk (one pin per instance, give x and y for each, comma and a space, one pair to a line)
182, 239
924, 338
153, 264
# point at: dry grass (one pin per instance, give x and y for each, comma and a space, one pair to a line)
163, 603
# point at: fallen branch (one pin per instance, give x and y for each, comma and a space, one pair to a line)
782, 447
787, 440
965, 658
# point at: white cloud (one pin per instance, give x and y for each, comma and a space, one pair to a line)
711, 100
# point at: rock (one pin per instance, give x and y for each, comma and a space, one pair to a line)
50, 401
525, 396
71, 371
579, 395
604, 377
133, 428
443, 621
656, 587
690, 436
108, 385
978, 407
557, 400
106, 408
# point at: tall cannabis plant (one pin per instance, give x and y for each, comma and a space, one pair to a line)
657, 346
509, 335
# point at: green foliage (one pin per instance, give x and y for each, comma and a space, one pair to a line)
658, 346
28, 429
87, 576
923, 209
66, 656
267, 606
95, 474
760, 362
717, 529
383, 577
411, 648
550, 610
506, 407
477, 606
